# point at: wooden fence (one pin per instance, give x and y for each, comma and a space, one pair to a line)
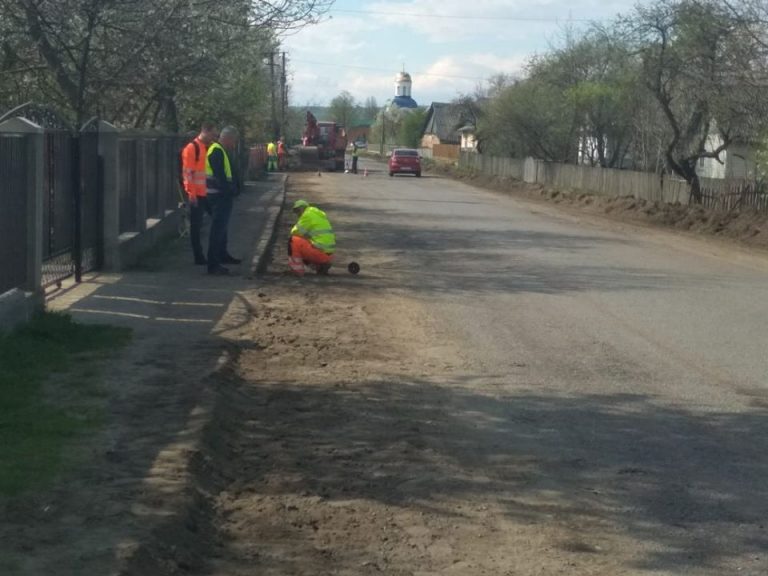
716, 193
446, 151
734, 195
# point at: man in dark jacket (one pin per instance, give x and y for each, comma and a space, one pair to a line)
222, 185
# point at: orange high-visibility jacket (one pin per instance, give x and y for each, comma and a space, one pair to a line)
193, 168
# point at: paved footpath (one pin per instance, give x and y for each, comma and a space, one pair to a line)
166, 290
135, 470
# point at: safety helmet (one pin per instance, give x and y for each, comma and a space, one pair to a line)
300, 204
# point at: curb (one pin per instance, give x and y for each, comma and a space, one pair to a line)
266, 241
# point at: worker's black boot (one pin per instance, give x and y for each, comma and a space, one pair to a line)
323, 269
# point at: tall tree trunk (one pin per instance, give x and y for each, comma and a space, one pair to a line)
695, 184
170, 114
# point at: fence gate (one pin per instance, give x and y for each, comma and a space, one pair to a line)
72, 196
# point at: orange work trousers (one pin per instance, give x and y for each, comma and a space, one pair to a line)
302, 252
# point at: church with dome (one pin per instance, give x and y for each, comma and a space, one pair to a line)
403, 98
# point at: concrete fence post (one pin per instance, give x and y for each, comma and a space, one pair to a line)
108, 151
35, 151
141, 185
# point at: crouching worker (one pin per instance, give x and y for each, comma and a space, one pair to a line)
312, 240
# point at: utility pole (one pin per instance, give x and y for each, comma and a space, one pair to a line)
272, 88
383, 129
283, 98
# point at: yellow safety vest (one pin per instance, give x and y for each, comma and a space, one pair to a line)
314, 224
210, 180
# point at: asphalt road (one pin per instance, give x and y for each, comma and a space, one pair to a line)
628, 365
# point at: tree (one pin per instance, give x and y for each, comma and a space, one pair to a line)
411, 127
530, 119
575, 105
370, 109
705, 69
343, 109
137, 62
386, 130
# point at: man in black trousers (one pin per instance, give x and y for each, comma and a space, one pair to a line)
223, 186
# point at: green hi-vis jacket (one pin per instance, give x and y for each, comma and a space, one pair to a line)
315, 226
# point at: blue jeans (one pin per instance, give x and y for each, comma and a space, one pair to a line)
221, 209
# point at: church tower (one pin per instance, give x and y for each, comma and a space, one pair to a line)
403, 86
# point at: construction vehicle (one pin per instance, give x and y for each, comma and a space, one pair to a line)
323, 145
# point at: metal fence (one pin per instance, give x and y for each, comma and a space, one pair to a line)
89, 202
58, 207
72, 205
13, 221
52, 178
148, 178
128, 184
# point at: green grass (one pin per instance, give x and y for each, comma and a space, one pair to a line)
34, 430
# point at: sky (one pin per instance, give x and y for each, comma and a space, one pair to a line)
448, 46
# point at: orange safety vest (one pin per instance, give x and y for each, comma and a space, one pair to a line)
193, 168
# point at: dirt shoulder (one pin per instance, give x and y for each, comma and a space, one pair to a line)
127, 476
744, 227
342, 441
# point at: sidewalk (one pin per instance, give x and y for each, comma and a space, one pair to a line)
166, 289
133, 473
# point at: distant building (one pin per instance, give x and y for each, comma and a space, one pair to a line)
442, 125
468, 138
403, 86
735, 162
359, 132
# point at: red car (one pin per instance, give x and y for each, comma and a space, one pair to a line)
405, 161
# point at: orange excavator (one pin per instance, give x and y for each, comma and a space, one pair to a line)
323, 145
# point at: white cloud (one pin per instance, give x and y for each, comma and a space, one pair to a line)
340, 35
462, 73
495, 63
456, 20
446, 56
369, 84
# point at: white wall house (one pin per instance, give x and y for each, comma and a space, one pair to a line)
737, 161
468, 138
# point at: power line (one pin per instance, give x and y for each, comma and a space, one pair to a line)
333, 64
466, 17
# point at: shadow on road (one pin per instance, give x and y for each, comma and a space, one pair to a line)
668, 478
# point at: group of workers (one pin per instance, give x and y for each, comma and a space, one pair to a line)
211, 182
276, 156
211, 185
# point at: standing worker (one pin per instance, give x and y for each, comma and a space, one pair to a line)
222, 188
271, 157
281, 155
193, 159
312, 240
355, 154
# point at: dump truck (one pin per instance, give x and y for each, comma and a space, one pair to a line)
323, 145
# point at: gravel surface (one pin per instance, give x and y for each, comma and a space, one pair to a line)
505, 389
